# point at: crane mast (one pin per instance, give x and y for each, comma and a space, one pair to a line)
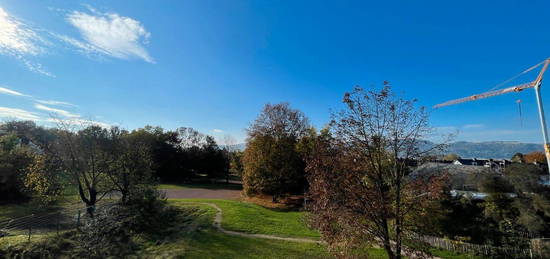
536, 85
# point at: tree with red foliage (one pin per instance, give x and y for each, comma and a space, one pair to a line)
358, 173
535, 156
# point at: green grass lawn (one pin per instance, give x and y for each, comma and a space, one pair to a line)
211, 186
210, 243
452, 255
197, 238
252, 218
10, 211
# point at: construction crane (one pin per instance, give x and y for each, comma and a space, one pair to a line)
535, 84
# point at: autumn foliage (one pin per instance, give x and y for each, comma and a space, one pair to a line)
536, 156
358, 173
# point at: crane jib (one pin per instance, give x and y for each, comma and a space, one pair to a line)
536, 84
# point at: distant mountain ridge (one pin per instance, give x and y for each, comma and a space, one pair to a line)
236, 147
491, 149
465, 149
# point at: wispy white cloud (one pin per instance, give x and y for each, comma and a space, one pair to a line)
56, 103
16, 37
6, 112
109, 34
61, 112
445, 129
55, 114
8, 91
473, 126
21, 42
217, 131
4, 90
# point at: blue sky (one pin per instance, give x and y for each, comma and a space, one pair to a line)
212, 65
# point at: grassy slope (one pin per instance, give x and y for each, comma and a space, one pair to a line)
206, 242
212, 186
252, 218
209, 243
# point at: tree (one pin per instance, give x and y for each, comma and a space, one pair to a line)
272, 164
214, 160
279, 121
44, 179
235, 163
533, 198
85, 156
358, 175
518, 158
451, 157
168, 159
525, 178
129, 164
535, 157
14, 160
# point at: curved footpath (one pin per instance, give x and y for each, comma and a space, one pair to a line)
218, 225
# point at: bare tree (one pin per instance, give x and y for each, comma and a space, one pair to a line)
358, 172
229, 142
189, 137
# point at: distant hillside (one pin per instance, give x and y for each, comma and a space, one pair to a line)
491, 149
239, 147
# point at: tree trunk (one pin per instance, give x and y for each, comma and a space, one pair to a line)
386, 240
398, 221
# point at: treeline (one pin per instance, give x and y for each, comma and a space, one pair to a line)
357, 174
515, 210
42, 162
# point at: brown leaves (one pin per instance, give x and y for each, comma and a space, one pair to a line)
358, 177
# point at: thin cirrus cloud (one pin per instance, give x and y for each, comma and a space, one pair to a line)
61, 112
20, 41
55, 103
20, 114
7, 91
473, 126
55, 115
109, 34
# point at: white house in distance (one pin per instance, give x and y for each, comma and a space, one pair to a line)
489, 163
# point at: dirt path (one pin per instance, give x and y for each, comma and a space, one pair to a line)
201, 193
218, 225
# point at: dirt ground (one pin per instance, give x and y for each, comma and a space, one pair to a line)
200, 193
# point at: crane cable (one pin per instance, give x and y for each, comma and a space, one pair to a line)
520, 113
516, 76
